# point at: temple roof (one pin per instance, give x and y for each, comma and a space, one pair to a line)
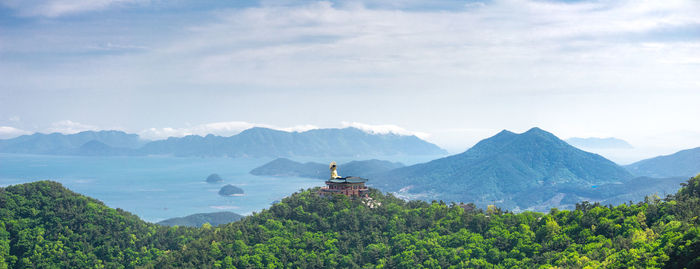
348, 180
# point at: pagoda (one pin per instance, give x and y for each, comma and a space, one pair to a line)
348, 186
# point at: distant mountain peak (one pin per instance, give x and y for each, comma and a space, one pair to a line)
507, 140
504, 167
537, 130
599, 143
259, 130
504, 132
685, 163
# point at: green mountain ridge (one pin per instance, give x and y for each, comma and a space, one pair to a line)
45, 225
500, 169
684, 163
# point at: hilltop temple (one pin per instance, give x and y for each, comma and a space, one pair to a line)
348, 186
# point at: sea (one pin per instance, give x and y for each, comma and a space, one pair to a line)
160, 187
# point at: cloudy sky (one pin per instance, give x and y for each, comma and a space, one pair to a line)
452, 72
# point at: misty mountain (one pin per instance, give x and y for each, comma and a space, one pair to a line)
83, 143
510, 170
286, 167
264, 142
254, 142
599, 143
685, 163
97, 148
283, 167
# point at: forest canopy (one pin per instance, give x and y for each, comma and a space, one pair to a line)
43, 224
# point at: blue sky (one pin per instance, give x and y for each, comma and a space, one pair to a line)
453, 72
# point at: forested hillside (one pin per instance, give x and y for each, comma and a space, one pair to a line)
683, 163
308, 231
43, 224
534, 170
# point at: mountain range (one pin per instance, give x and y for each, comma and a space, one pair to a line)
685, 163
287, 167
83, 143
531, 170
534, 170
254, 142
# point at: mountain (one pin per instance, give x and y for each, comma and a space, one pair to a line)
685, 163
264, 142
308, 231
44, 225
283, 167
83, 143
254, 142
214, 178
367, 167
197, 220
230, 190
502, 168
286, 167
598, 143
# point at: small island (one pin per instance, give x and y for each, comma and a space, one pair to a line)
214, 178
230, 190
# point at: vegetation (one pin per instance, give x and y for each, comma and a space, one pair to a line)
44, 224
197, 220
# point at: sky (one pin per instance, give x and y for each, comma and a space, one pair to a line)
451, 72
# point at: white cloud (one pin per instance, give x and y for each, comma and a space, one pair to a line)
70, 127
161, 133
227, 128
10, 132
498, 46
575, 67
384, 129
299, 128
217, 128
57, 8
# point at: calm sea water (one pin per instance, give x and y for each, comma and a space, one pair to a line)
157, 188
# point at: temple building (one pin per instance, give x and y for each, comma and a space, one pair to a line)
348, 186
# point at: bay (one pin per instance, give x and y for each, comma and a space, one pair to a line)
156, 187
161, 187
